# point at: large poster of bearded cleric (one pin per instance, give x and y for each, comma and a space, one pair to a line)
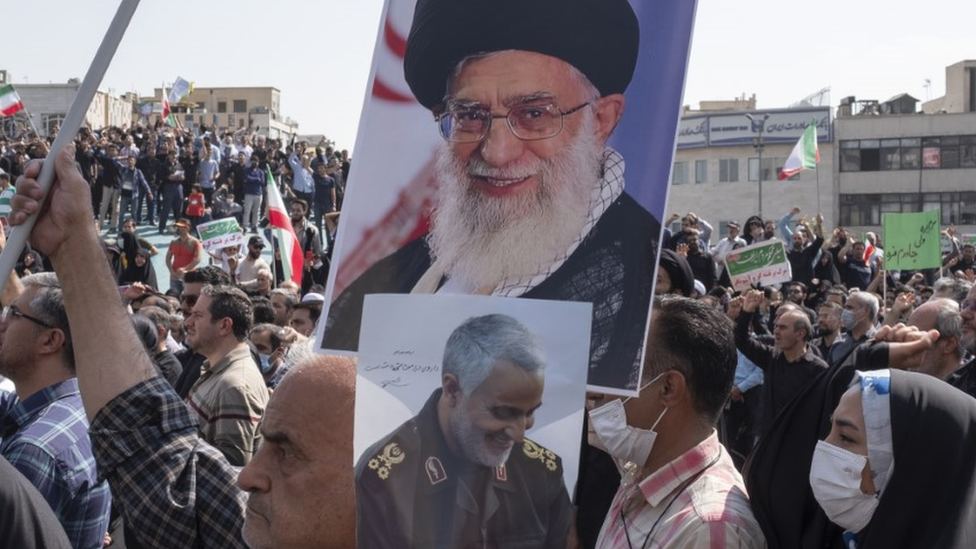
468, 414
517, 149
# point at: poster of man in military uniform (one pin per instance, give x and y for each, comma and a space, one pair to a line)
489, 456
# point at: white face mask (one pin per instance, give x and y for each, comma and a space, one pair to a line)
619, 439
835, 477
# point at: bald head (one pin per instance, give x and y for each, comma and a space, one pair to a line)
925, 317
305, 464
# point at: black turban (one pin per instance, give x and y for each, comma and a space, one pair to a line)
679, 270
598, 37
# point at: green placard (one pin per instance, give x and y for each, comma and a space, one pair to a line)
911, 240
764, 263
757, 256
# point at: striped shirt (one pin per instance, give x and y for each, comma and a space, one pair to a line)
46, 438
228, 401
696, 501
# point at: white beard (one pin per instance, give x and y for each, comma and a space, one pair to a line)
484, 240
472, 441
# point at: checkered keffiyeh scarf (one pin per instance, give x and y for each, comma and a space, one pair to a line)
610, 188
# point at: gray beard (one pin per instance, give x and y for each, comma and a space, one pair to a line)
471, 440
485, 240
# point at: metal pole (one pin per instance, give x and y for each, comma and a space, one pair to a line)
817, 170
759, 149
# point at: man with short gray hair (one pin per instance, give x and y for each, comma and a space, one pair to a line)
858, 320
461, 473
43, 428
945, 355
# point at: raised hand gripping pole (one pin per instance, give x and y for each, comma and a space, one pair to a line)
72, 122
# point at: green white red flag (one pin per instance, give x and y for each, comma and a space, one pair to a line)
805, 154
868, 250
10, 103
292, 261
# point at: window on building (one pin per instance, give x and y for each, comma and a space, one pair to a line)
931, 152
50, 121
967, 151
910, 153
850, 156
890, 154
679, 173
188, 118
957, 208
240, 122
770, 168
221, 106
230, 120
950, 152
240, 105
870, 155
728, 170
701, 171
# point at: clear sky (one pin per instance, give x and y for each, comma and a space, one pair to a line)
318, 53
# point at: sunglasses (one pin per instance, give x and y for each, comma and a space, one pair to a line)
189, 299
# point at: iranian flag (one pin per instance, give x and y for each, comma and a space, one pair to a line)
291, 250
805, 154
166, 115
868, 250
10, 103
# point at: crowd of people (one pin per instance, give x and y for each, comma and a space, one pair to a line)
788, 375
158, 172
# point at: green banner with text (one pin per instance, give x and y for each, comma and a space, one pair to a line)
912, 241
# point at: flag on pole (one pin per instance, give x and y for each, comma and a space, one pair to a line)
292, 261
167, 115
180, 89
10, 103
805, 154
868, 250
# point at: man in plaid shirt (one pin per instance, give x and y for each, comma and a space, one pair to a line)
173, 489
43, 429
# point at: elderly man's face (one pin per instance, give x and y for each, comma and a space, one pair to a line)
520, 203
487, 424
497, 83
785, 334
300, 483
263, 279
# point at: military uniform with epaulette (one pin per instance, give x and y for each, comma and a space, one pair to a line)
412, 491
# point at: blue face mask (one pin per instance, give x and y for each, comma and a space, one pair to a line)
265, 363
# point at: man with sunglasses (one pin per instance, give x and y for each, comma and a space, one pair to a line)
43, 428
531, 201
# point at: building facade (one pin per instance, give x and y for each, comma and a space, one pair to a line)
875, 157
47, 105
256, 109
716, 172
